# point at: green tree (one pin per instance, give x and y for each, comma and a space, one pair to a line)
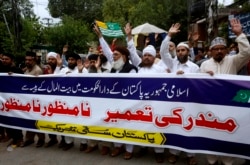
162, 13
246, 7
73, 32
14, 14
6, 44
85, 10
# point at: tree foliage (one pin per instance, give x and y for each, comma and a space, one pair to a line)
16, 26
85, 10
77, 15
246, 7
162, 13
74, 33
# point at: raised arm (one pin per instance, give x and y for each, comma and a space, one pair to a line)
105, 47
193, 44
134, 57
164, 50
244, 48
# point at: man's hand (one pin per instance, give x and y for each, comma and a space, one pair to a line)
211, 73
195, 36
114, 40
10, 73
174, 29
236, 26
59, 60
98, 62
80, 65
179, 72
128, 31
97, 31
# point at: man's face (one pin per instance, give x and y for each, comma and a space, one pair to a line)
218, 52
29, 61
148, 60
38, 59
200, 53
92, 66
91, 49
182, 54
92, 63
72, 62
171, 46
52, 61
6, 61
117, 55
86, 63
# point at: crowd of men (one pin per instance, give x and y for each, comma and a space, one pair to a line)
180, 59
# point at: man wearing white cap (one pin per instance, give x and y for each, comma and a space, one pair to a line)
52, 62
221, 63
179, 65
146, 65
119, 59
52, 59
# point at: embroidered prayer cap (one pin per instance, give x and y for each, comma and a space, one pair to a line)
218, 41
150, 49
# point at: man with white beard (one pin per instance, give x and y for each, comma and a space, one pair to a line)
119, 60
119, 57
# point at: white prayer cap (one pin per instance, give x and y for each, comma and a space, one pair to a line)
183, 44
150, 49
51, 54
218, 41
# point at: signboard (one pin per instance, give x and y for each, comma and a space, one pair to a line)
245, 22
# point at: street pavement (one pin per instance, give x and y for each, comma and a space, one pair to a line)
31, 155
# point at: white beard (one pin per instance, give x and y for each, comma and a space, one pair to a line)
117, 65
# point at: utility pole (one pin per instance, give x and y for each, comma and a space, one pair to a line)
48, 21
212, 19
6, 23
17, 26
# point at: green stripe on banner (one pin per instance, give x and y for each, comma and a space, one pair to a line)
112, 33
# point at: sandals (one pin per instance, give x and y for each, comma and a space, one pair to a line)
116, 151
127, 155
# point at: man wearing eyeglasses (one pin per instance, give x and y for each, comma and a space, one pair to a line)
222, 63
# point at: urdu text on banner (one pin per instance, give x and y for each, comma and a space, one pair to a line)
194, 112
